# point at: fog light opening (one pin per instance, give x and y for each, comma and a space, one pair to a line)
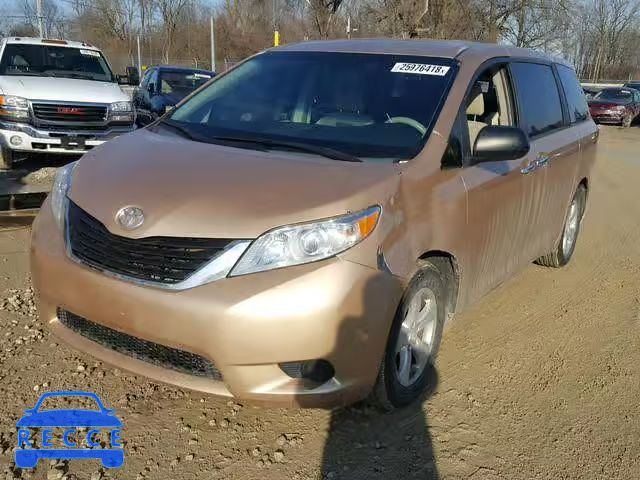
15, 140
318, 371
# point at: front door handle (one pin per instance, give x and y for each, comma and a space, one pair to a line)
540, 161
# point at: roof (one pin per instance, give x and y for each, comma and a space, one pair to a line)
38, 41
433, 48
177, 68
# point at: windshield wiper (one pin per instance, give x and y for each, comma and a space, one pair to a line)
25, 74
299, 146
83, 76
183, 130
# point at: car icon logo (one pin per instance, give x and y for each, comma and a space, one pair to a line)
96, 423
130, 217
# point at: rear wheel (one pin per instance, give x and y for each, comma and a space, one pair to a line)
567, 244
6, 158
407, 367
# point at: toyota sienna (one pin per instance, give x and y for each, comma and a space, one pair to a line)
299, 229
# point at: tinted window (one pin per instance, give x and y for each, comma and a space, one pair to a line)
540, 105
618, 95
576, 101
366, 105
145, 78
181, 82
50, 61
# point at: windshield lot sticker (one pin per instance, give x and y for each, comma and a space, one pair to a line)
104, 429
91, 53
420, 69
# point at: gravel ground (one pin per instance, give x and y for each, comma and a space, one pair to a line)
540, 380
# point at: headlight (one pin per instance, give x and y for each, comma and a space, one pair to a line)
59, 191
620, 108
14, 108
298, 244
121, 107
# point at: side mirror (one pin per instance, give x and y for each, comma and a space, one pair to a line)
151, 88
134, 75
122, 79
495, 144
144, 118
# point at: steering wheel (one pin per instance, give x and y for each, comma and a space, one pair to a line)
409, 122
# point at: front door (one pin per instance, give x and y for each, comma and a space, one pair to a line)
498, 193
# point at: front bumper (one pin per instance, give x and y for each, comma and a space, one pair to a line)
334, 310
57, 140
608, 117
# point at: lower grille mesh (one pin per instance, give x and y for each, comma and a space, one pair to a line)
150, 352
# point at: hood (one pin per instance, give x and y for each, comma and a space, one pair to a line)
62, 89
69, 418
194, 189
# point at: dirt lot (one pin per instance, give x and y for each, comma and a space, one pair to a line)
540, 380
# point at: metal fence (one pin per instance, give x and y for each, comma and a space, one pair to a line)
119, 63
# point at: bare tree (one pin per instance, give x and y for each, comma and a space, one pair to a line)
170, 11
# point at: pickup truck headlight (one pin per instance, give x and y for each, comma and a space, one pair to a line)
14, 108
121, 112
121, 107
305, 243
58, 195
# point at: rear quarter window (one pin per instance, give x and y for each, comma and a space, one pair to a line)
576, 101
539, 99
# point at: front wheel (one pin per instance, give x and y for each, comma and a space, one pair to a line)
407, 367
567, 244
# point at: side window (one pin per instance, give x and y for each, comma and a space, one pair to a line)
537, 89
576, 101
489, 102
145, 79
153, 79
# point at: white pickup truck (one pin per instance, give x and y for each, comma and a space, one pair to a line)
57, 96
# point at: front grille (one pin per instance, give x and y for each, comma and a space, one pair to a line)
146, 351
167, 260
67, 113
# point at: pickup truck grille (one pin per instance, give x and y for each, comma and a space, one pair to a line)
69, 113
167, 260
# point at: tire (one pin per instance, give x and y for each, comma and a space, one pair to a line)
6, 158
626, 121
567, 243
389, 392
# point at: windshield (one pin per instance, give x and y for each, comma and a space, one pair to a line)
181, 82
363, 105
614, 94
53, 61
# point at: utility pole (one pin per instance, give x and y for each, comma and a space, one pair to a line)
40, 17
139, 57
276, 33
213, 46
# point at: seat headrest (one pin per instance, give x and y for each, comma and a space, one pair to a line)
476, 107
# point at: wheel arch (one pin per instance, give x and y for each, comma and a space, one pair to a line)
448, 266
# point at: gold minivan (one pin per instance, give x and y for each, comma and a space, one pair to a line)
299, 229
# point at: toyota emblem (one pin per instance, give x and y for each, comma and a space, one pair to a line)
130, 217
